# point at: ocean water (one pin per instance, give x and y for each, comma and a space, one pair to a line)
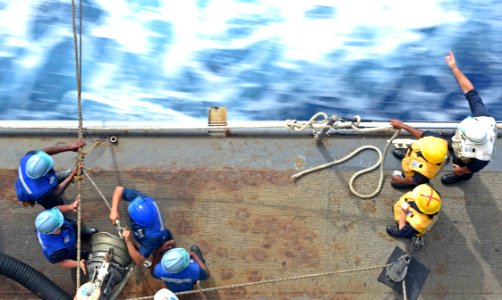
264, 60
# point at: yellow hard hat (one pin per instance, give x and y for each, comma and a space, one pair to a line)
427, 199
434, 149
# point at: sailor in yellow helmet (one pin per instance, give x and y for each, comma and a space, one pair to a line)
415, 212
475, 140
422, 160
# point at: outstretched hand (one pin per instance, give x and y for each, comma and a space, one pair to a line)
397, 124
76, 144
450, 60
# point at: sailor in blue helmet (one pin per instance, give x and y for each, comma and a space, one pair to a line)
37, 181
179, 269
57, 237
146, 222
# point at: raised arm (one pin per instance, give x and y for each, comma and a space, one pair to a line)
69, 147
462, 80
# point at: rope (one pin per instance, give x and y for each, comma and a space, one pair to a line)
380, 161
405, 297
97, 189
78, 70
297, 126
233, 286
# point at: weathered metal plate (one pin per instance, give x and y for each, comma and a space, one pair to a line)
234, 198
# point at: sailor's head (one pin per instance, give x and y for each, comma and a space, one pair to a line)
39, 164
49, 221
165, 294
474, 131
433, 149
427, 199
175, 260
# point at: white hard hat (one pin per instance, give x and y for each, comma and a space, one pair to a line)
474, 130
165, 294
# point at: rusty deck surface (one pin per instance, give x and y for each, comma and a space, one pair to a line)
234, 198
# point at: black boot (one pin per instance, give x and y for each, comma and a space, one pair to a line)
392, 231
87, 232
195, 249
402, 186
451, 178
399, 153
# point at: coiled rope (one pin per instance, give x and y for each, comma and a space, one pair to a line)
80, 159
379, 163
233, 286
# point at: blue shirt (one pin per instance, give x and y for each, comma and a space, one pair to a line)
181, 281
40, 190
149, 237
58, 247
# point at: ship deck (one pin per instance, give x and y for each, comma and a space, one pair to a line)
233, 197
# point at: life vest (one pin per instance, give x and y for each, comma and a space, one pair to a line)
28, 189
419, 221
465, 150
181, 281
53, 242
153, 231
412, 162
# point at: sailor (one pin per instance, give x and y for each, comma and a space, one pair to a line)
422, 160
37, 181
475, 139
146, 223
164, 294
180, 270
415, 212
57, 236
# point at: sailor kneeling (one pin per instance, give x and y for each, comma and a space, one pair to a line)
415, 212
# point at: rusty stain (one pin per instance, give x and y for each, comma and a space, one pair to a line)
369, 206
222, 252
357, 260
181, 223
441, 268
227, 274
236, 292
259, 255
255, 276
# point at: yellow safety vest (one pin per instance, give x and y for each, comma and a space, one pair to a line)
418, 220
414, 163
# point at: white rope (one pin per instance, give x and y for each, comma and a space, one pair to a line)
97, 189
379, 163
233, 286
299, 126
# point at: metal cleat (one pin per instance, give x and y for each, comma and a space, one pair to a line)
416, 243
396, 272
120, 229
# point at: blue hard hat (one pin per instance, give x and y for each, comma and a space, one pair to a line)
39, 164
175, 260
49, 220
142, 212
